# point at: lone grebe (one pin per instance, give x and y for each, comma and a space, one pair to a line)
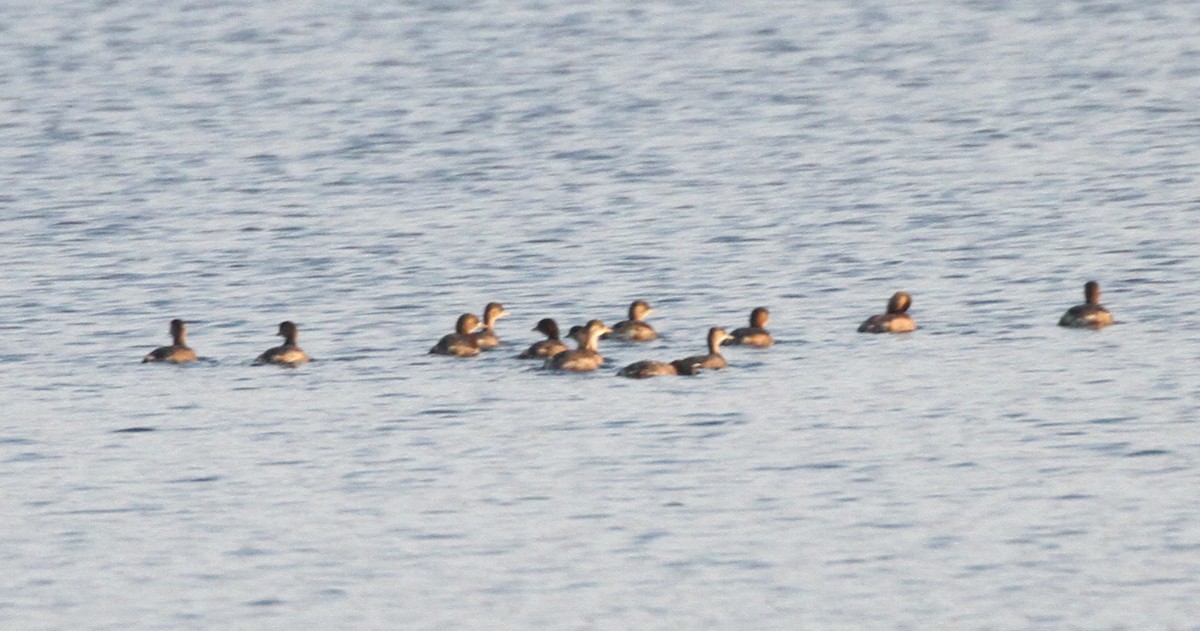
286, 353
178, 352
635, 329
585, 358
460, 343
487, 339
548, 347
1091, 314
756, 334
895, 320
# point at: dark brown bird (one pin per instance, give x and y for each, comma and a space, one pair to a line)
178, 352
895, 320
548, 347
585, 358
286, 353
635, 329
1089, 315
756, 334
460, 343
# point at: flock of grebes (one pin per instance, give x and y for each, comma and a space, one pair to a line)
473, 335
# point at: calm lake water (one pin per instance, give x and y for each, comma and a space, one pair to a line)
371, 171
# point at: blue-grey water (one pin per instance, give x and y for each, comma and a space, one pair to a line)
372, 170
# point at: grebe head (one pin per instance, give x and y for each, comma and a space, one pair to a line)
592, 332
1091, 292
467, 323
596, 328
899, 303
287, 330
178, 330
759, 318
492, 312
639, 309
547, 326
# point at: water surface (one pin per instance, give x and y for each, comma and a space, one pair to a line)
371, 172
